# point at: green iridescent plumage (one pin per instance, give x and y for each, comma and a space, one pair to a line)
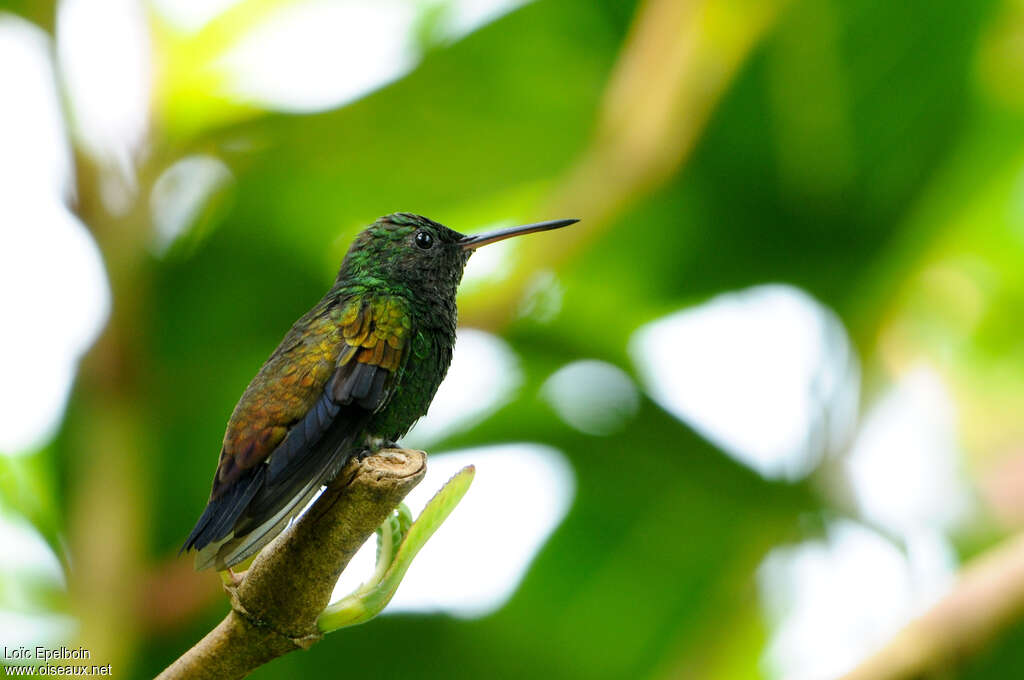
353, 374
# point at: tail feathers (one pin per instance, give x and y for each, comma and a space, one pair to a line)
261, 502
230, 550
267, 513
293, 485
238, 524
221, 513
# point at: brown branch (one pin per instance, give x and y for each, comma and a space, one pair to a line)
988, 597
276, 603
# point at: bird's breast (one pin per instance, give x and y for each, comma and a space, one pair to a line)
425, 368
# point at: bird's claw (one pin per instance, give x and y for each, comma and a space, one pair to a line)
230, 579
376, 447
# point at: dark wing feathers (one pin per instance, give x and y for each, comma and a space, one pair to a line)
299, 421
221, 513
300, 439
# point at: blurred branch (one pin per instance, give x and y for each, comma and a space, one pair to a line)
42, 13
988, 597
276, 603
677, 62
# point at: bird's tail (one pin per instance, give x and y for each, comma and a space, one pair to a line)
236, 525
232, 549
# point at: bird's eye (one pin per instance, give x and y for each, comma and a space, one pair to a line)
424, 240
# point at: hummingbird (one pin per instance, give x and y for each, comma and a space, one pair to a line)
349, 378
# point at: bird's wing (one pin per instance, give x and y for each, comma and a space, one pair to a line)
373, 339
295, 425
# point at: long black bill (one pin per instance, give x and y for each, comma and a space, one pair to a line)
476, 240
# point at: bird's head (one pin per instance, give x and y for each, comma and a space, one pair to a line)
409, 251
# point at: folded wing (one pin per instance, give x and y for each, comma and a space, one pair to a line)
299, 421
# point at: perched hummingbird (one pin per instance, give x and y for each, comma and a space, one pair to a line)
351, 376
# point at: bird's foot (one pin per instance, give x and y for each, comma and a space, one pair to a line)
230, 579
376, 445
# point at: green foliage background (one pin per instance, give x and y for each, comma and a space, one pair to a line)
855, 147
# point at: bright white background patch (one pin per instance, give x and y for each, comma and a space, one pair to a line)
767, 374
179, 194
30, 630
318, 54
53, 289
465, 16
475, 561
59, 303
25, 550
833, 602
104, 51
35, 154
592, 396
904, 465
26, 558
191, 15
